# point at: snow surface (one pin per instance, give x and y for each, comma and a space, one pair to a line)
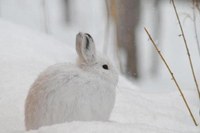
25, 53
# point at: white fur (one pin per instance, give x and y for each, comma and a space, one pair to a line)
63, 92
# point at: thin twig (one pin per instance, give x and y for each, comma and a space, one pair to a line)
171, 73
187, 49
195, 30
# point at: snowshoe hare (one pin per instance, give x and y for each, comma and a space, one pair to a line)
84, 91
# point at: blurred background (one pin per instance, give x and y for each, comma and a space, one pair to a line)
118, 30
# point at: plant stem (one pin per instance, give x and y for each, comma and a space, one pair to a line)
187, 49
173, 77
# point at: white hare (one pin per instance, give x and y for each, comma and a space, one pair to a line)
81, 92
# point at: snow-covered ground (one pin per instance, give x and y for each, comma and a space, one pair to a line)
155, 106
25, 53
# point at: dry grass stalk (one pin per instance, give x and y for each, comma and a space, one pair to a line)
187, 49
171, 73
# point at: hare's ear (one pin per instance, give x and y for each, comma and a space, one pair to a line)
85, 47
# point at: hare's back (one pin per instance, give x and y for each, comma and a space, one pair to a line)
60, 76
53, 93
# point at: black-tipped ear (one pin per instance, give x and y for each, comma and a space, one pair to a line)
89, 36
85, 48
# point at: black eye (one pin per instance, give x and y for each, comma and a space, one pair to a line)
105, 67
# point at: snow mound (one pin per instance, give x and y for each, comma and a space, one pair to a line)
100, 127
25, 53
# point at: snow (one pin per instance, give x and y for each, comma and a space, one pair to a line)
25, 53
99, 127
155, 106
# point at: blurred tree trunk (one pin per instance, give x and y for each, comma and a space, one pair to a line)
127, 19
157, 34
45, 16
0, 8
67, 10
196, 4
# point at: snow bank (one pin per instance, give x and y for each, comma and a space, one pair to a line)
24, 54
100, 127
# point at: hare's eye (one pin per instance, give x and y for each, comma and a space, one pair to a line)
105, 66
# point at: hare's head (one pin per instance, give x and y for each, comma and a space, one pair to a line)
90, 62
